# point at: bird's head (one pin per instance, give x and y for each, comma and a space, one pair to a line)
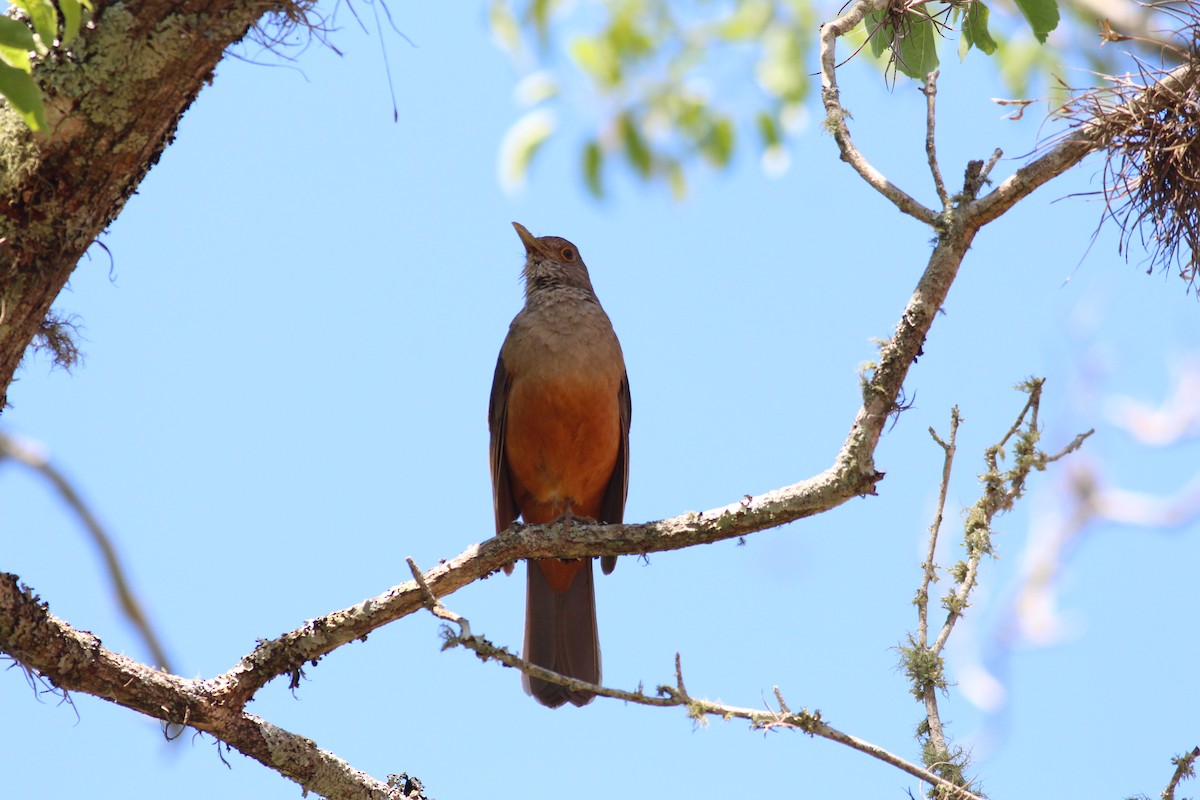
552, 262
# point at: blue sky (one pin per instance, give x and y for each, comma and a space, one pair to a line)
287, 366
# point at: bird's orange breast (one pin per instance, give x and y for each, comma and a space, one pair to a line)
561, 441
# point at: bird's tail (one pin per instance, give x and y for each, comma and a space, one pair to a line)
560, 632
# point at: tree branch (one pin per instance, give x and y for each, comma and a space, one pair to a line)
112, 105
836, 116
76, 661
852, 474
929, 688
1072, 149
677, 696
923, 662
126, 599
46, 226
930, 92
215, 705
1185, 767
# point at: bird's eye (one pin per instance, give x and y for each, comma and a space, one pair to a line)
568, 254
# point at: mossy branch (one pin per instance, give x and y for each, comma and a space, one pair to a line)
922, 660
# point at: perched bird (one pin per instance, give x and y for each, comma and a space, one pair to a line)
559, 421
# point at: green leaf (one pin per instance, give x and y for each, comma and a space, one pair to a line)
44, 18
914, 49
628, 36
16, 35
505, 29
539, 12
768, 130
598, 58
72, 16
975, 30
520, 144
917, 55
16, 57
1042, 16
677, 180
782, 69
593, 161
23, 95
635, 145
747, 21
717, 146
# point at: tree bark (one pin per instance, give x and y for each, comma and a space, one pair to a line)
113, 102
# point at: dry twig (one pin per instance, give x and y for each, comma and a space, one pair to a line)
669, 696
127, 601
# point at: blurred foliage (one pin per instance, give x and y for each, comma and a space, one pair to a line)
650, 64
667, 85
29, 29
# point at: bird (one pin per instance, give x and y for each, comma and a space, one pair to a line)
559, 417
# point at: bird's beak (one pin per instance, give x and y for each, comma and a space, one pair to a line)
528, 239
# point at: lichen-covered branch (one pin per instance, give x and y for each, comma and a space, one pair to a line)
1185, 768
921, 660
937, 751
112, 104
75, 661
1002, 488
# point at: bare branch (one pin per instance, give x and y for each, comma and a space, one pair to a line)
126, 599
836, 115
1087, 138
991, 163
1175, 419
930, 92
929, 568
697, 709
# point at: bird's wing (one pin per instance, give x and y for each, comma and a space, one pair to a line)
613, 508
502, 497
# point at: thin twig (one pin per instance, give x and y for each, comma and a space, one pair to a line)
930, 92
434, 605
1070, 150
931, 679
1001, 491
991, 163
12, 448
922, 662
836, 116
677, 696
487, 651
929, 568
